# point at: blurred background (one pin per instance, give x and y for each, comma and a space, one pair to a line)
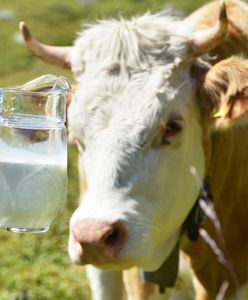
37, 267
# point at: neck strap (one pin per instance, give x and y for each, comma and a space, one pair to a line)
196, 216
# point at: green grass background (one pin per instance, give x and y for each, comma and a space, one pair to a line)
37, 267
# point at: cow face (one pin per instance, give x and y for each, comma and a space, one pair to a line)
137, 150
136, 161
138, 128
135, 118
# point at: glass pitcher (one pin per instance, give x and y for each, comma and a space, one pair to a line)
33, 154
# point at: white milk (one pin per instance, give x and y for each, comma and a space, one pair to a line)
32, 187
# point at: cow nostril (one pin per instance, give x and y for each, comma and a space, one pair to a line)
116, 237
98, 238
112, 238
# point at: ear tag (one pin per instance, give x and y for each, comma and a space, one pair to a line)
166, 275
223, 111
217, 115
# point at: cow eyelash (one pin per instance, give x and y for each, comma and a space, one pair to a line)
172, 128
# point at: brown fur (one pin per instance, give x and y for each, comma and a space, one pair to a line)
228, 169
236, 41
228, 166
229, 173
134, 286
224, 91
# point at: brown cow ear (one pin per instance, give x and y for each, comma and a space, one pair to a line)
224, 92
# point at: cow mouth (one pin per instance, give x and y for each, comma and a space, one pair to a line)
104, 261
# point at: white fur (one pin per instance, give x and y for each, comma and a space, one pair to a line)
130, 80
105, 284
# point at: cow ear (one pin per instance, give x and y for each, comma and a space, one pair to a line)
224, 92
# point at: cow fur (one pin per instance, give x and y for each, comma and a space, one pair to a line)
143, 66
93, 53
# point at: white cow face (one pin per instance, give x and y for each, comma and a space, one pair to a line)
137, 125
136, 121
139, 135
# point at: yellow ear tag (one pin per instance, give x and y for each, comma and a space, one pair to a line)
222, 112
216, 115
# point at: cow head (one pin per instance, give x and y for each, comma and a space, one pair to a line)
141, 116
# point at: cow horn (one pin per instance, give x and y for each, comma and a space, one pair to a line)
59, 56
206, 40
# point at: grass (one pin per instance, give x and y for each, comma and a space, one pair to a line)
34, 267
55, 22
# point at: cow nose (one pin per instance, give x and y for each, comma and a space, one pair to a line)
99, 239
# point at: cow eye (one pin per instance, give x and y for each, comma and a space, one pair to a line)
173, 127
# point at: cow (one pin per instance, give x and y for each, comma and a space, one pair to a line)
160, 120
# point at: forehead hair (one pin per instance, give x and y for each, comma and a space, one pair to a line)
137, 44
120, 66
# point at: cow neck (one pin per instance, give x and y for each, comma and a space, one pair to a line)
166, 275
196, 216
229, 177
